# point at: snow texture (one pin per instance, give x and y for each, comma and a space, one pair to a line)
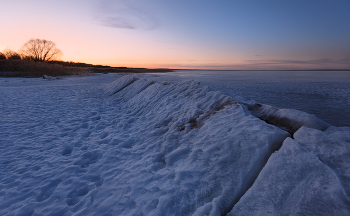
86, 146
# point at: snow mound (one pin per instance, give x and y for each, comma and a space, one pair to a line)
294, 182
50, 77
289, 119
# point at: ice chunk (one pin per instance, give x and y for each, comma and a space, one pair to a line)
342, 133
294, 182
288, 119
332, 151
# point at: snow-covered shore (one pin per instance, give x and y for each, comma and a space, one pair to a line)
110, 145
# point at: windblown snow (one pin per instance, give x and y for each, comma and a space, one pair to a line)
124, 145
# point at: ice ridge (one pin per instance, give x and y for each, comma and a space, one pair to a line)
206, 111
200, 152
288, 119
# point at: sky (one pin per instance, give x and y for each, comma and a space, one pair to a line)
186, 34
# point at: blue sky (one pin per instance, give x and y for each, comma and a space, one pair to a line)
204, 34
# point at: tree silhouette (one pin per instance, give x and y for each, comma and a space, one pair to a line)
11, 55
2, 55
40, 50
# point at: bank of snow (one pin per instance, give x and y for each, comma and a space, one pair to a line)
89, 146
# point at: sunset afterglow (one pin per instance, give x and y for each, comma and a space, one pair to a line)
182, 34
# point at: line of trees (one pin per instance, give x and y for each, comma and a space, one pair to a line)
34, 50
9, 54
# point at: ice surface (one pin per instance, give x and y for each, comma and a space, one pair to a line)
134, 147
294, 182
325, 94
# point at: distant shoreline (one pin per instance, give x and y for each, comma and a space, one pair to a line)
25, 68
32, 69
269, 70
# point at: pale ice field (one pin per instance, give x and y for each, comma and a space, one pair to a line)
325, 94
164, 144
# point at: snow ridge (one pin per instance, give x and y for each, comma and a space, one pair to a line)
198, 145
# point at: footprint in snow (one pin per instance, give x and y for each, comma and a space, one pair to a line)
95, 118
48, 190
88, 158
67, 150
104, 135
94, 178
73, 196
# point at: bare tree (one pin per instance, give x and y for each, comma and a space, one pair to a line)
10, 54
40, 50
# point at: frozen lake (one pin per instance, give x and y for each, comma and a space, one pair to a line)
323, 93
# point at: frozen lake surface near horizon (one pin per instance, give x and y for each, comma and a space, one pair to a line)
325, 94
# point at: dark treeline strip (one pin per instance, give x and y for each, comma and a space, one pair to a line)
24, 68
109, 69
79, 64
129, 70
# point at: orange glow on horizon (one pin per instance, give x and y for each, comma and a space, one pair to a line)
161, 39
81, 42
210, 65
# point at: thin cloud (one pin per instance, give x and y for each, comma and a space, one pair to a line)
122, 14
273, 64
298, 62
